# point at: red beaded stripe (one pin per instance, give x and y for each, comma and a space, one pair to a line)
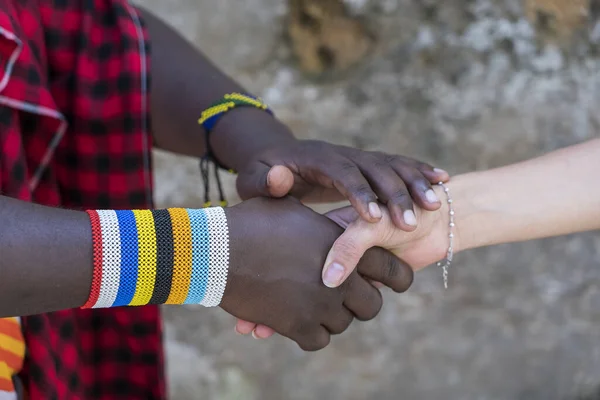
97, 274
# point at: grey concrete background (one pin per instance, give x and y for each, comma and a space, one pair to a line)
464, 84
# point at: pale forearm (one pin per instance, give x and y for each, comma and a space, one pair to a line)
552, 195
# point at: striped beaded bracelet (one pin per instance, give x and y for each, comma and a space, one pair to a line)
173, 256
208, 120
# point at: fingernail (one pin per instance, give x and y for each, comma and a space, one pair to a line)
333, 275
254, 335
236, 331
374, 210
269, 178
440, 171
431, 196
409, 218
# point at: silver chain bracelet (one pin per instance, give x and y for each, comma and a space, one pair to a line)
445, 264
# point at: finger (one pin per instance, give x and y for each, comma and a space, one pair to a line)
339, 322
362, 299
392, 191
262, 332
316, 195
419, 187
435, 175
262, 180
252, 181
351, 183
316, 339
244, 327
381, 266
280, 181
347, 251
343, 216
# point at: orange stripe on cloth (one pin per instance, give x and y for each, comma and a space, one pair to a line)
12, 351
10, 327
13, 361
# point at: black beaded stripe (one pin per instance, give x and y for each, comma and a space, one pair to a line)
164, 256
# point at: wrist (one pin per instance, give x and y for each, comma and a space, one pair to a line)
244, 132
442, 219
468, 199
173, 256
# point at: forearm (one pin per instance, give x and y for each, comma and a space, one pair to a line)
54, 259
45, 258
556, 194
184, 83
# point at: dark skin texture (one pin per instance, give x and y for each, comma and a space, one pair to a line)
45, 258
277, 249
251, 141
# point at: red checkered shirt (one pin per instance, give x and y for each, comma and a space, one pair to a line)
74, 133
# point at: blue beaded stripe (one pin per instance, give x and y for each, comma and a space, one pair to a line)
129, 258
209, 124
200, 256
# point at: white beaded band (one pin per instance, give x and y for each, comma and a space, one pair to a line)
447, 262
219, 256
111, 258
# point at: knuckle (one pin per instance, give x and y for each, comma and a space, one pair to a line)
314, 342
337, 328
389, 269
418, 182
394, 273
375, 304
386, 158
348, 249
307, 345
405, 279
347, 167
421, 166
375, 160
303, 327
390, 159
400, 197
341, 326
325, 306
346, 287
362, 191
322, 341
402, 161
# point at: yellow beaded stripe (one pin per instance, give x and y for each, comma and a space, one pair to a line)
182, 265
222, 203
229, 102
147, 257
258, 103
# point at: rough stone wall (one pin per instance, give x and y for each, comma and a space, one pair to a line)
465, 84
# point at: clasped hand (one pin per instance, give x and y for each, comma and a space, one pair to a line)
279, 247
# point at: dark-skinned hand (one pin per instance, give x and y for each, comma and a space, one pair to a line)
317, 171
277, 251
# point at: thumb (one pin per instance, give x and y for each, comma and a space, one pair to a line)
347, 251
261, 180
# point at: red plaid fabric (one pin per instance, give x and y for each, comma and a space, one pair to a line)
74, 133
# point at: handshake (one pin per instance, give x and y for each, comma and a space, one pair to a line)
308, 276
279, 247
